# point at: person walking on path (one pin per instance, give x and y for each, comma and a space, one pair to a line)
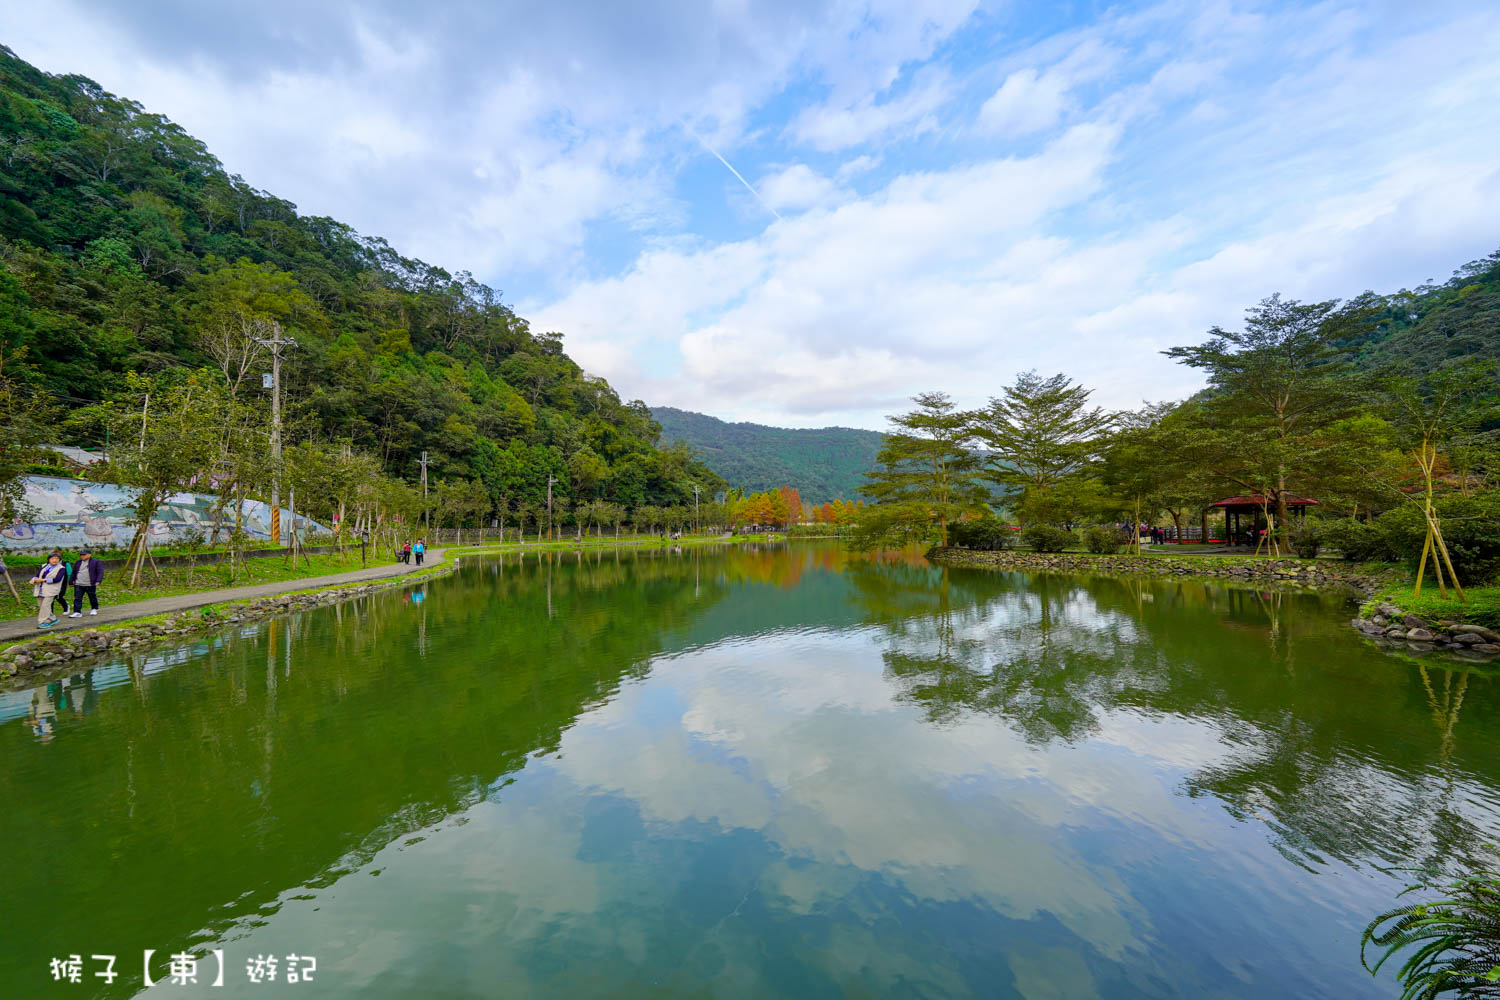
87, 574
62, 595
406, 553
45, 586
419, 550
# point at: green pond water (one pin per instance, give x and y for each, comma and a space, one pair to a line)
743, 773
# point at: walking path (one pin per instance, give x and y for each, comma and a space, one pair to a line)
21, 628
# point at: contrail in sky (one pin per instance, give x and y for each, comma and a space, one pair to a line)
730, 167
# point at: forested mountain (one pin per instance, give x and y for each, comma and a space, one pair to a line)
824, 464
1432, 325
126, 247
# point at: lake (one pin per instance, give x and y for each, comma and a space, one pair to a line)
743, 772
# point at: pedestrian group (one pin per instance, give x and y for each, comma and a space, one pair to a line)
50, 587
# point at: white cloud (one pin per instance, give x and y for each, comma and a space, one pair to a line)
840, 307
853, 168
1135, 230
1025, 103
833, 127
796, 188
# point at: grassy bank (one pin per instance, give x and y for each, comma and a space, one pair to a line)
1481, 608
43, 652
173, 581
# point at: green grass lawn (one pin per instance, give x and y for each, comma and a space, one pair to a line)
1481, 608
175, 580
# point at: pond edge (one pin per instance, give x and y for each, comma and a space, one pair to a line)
1377, 621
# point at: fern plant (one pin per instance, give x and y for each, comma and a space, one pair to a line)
1456, 937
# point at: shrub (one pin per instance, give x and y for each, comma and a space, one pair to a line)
1452, 941
1307, 538
1471, 529
1101, 540
1041, 537
986, 533
1358, 541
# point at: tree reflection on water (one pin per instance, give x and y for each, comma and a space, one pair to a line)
1339, 750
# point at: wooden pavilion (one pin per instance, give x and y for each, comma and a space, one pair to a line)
1256, 506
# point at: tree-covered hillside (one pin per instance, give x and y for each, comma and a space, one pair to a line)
1433, 325
824, 464
126, 247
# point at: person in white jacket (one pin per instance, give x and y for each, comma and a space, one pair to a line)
46, 585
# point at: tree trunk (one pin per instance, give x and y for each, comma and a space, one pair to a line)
1281, 522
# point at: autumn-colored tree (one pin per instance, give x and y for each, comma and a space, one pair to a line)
793, 502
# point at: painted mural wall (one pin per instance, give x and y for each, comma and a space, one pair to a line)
73, 513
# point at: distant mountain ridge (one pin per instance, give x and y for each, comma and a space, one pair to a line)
825, 463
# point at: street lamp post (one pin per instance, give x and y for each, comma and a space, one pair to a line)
276, 342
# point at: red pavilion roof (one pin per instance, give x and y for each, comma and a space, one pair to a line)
1257, 501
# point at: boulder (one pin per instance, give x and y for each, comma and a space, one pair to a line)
1414, 621
1467, 638
1485, 647
1389, 610
1420, 635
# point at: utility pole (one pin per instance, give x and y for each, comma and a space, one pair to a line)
425, 525
275, 342
697, 523
550, 481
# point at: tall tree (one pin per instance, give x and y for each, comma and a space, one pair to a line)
1133, 466
1040, 433
1278, 386
927, 477
163, 449
24, 411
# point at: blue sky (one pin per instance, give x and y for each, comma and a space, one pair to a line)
945, 192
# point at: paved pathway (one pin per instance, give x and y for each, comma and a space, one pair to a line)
20, 628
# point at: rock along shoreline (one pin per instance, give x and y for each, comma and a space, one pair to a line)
1385, 622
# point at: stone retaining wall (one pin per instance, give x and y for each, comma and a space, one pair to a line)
1393, 627
1319, 574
